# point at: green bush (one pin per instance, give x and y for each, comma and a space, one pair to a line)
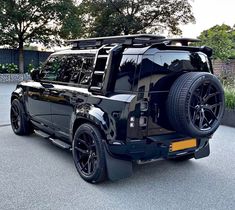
3, 69
30, 67
229, 97
227, 78
10, 68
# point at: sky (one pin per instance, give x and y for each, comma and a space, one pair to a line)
209, 13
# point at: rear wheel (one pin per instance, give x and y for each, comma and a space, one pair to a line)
88, 154
19, 122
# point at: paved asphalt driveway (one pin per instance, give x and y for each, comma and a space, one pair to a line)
34, 174
5, 92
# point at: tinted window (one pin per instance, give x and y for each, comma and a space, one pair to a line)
180, 61
69, 65
51, 68
126, 73
86, 70
69, 68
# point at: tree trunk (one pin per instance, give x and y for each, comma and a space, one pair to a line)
21, 57
126, 32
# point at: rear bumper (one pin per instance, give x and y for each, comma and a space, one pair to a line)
155, 147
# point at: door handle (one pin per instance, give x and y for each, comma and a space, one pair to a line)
47, 85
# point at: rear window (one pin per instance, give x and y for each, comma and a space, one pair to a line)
176, 61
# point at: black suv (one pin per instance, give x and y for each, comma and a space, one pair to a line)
123, 99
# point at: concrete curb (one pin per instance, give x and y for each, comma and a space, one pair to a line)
11, 78
229, 118
4, 125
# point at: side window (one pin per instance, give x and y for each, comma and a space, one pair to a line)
75, 64
86, 70
70, 65
51, 68
69, 68
126, 72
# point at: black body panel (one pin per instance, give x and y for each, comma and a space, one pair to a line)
138, 77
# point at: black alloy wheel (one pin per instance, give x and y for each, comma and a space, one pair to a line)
19, 122
205, 106
195, 104
15, 117
88, 153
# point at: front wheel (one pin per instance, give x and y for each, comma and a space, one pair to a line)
19, 122
88, 154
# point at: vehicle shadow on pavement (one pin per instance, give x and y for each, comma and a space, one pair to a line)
161, 170
41, 150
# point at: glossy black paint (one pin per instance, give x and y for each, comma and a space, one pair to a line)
59, 107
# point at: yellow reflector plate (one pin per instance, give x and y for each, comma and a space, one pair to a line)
185, 144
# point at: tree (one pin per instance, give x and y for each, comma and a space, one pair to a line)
42, 21
221, 38
71, 24
115, 17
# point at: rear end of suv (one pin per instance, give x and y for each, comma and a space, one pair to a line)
115, 100
176, 98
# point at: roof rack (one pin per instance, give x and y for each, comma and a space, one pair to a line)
130, 40
126, 40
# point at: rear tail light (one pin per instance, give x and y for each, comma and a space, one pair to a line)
132, 122
132, 119
141, 121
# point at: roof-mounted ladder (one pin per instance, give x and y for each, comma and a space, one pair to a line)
102, 68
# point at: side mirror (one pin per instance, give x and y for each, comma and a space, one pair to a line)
35, 74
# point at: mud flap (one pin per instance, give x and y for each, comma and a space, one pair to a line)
116, 168
203, 152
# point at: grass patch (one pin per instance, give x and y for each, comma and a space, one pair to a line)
229, 97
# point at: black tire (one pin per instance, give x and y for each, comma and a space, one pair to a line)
19, 122
89, 154
195, 104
